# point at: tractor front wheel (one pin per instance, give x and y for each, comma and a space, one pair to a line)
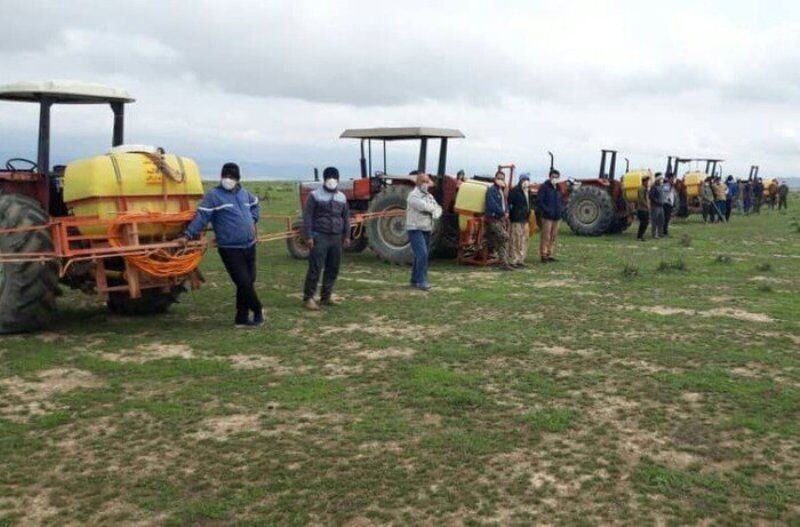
28, 290
590, 211
296, 244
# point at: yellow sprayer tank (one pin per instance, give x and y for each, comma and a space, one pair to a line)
470, 200
632, 182
127, 182
693, 181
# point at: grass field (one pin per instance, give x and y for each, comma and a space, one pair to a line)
630, 383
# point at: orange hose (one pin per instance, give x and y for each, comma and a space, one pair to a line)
160, 263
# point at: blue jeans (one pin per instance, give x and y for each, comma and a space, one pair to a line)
420, 246
721, 206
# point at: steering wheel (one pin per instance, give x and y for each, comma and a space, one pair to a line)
10, 165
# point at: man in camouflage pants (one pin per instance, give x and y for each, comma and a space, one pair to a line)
496, 220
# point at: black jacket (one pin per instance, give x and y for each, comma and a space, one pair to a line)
326, 213
519, 208
550, 201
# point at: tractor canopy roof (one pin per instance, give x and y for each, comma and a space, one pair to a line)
397, 134
63, 92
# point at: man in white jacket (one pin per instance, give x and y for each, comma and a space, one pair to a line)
421, 213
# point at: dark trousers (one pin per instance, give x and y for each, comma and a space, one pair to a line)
241, 266
757, 205
325, 256
667, 216
728, 208
782, 202
420, 246
644, 221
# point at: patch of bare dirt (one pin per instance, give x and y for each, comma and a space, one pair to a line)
222, 427
150, 352
385, 327
729, 312
387, 353
26, 398
265, 362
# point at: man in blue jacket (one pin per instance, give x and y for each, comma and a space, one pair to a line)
326, 229
552, 209
233, 213
496, 220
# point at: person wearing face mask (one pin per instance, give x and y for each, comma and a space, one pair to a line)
519, 212
233, 213
326, 229
552, 209
496, 220
422, 211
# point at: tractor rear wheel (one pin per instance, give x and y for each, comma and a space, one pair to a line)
590, 211
28, 290
152, 302
387, 236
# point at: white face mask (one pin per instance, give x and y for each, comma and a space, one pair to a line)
526, 186
424, 187
228, 183
331, 183
554, 180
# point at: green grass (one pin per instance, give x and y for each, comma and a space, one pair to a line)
629, 383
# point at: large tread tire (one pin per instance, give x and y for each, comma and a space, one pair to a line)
28, 290
387, 236
152, 302
297, 245
590, 211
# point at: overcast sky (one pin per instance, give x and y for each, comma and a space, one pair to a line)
273, 84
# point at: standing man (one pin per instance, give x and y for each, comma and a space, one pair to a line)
758, 195
233, 213
747, 196
422, 211
643, 208
733, 194
552, 209
326, 229
772, 191
519, 213
670, 194
783, 196
720, 198
707, 198
656, 195
496, 220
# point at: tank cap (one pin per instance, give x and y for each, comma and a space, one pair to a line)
127, 149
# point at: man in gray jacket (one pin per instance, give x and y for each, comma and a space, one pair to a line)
422, 211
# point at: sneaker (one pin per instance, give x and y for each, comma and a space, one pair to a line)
332, 301
424, 287
311, 305
258, 320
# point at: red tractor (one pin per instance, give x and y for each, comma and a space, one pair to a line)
380, 196
597, 206
102, 224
